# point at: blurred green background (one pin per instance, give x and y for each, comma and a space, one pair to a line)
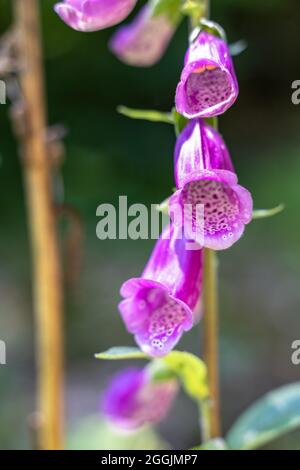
108, 155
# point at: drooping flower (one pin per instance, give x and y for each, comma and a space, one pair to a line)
93, 15
143, 42
204, 175
208, 84
133, 398
161, 304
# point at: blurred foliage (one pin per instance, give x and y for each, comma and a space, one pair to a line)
274, 415
214, 444
94, 434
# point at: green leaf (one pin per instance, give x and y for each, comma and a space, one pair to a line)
214, 444
274, 415
151, 115
146, 114
159, 371
264, 213
169, 8
122, 352
191, 371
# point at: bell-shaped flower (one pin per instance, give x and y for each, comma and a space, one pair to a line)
143, 42
133, 398
93, 15
161, 304
208, 84
205, 178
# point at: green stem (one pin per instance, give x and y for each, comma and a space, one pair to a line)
210, 409
210, 341
204, 412
198, 9
206, 7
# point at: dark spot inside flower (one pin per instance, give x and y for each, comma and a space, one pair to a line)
164, 320
221, 204
207, 88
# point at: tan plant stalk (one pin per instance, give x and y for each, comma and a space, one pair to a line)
47, 283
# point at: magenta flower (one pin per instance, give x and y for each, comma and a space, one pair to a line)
161, 304
133, 399
208, 84
143, 42
204, 174
92, 15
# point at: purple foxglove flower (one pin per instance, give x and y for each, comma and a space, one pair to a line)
92, 15
208, 84
133, 399
205, 176
161, 304
143, 42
